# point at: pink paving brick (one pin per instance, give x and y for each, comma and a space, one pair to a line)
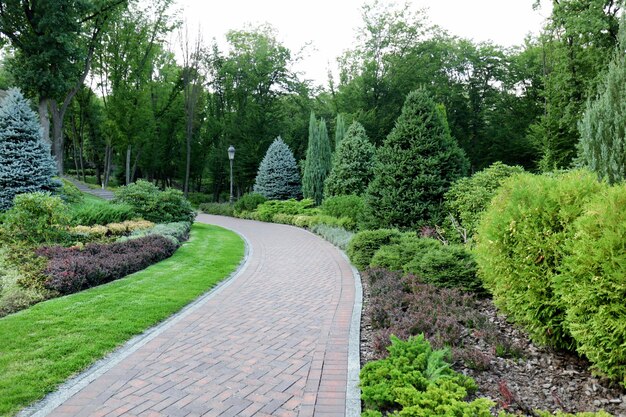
273, 342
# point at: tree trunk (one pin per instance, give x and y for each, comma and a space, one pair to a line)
107, 166
98, 175
44, 120
133, 172
57, 134
128, 152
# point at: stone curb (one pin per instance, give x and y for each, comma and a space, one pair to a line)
75, 384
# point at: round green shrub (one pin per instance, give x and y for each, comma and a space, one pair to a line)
364, 244
393, 257
35, 218
520, 245
249, 202
350, 206
592, 285
467, 198
155, 205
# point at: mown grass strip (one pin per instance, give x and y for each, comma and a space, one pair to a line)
43, 346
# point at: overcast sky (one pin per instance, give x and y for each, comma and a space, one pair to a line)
330, 25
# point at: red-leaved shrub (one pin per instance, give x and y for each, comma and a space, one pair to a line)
74, 269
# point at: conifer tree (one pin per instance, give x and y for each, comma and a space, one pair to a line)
602, 146
353, 164
340, 130
26, 165
278, 177
416, 165
318, 161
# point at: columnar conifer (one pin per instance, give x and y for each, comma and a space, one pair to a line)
318, 161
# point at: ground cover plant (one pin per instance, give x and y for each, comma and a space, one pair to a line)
45, 344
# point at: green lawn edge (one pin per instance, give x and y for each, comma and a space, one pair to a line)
43, 346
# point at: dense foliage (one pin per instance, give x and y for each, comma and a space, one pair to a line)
418, 381
25, 162
249, 202
96, 211
278, 177
467, 198
591, 286
520, 247
350, 206
155, 205
416, 165
74, 269
365, 244
352, 164
318, 161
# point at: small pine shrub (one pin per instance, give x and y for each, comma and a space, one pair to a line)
520, 246
35, 218
155, 205
592, 284
467, 199
100, 212
278, 177
418, 381
249, 202
220, 209
350, 206
364, 244
74, 269
394, 257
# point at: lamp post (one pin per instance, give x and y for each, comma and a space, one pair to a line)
231, 156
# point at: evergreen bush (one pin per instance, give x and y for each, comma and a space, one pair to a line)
278, 177
340, 130
350, 206
602, 146
352, 164
364, 244
592, 284
318, 161
416, 165
25, 162
249, 202
520, 246
155, 205
95, 211
467, 198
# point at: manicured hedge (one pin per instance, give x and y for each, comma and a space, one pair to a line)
74, 269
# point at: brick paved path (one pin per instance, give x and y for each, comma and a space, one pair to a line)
274, 342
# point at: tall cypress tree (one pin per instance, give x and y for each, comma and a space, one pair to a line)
340, 130
602, 129
26, 165
278, 177
353, 164
416, 165
318, 161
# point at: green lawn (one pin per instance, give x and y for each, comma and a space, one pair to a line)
44, 345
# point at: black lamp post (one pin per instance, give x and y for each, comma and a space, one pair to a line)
231, 156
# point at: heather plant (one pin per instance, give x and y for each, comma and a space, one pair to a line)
278, 177
415, 380
155, 205
467, 198
364, 244
415, 166
520, 245
336, 235
352, 164
592, 283
25, 162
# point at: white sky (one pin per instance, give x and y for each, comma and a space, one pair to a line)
330, 25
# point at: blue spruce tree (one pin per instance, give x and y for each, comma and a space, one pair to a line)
278, 177
25, 162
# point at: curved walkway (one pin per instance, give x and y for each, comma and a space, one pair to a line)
274, 342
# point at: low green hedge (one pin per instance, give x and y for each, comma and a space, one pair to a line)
365, 244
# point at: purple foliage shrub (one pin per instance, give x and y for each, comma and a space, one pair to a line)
74, 269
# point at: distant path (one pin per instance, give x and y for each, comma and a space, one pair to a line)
98, 192
275, 342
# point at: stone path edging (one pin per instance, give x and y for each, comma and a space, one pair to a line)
75, 384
